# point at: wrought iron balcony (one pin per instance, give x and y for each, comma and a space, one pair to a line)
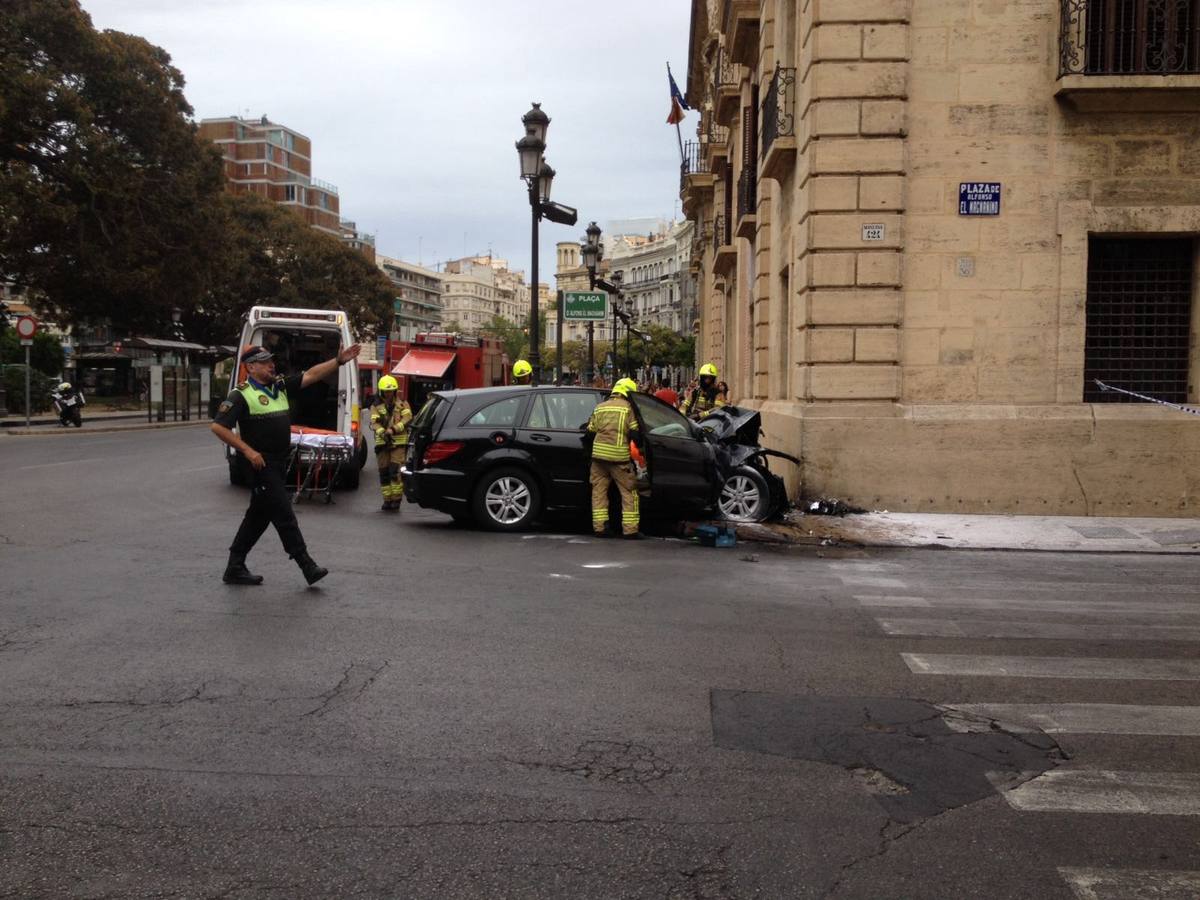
692, 164
779, 124
747, 202
721, 236
1129, 37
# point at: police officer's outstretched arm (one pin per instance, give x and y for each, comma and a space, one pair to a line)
322, 370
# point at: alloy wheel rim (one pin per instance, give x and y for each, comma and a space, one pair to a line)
507, 500
740, 498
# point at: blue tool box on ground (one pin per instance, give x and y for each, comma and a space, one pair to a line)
716, 535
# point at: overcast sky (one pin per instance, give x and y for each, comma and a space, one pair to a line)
413, 106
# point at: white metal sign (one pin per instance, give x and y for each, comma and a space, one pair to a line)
205, 386
156, 384
873, 232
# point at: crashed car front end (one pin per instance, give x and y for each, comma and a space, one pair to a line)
751, 492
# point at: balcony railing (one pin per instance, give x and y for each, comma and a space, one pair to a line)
777, 112
747, 192
1129, 37
725, 72
721, 233
717, 135
693, 163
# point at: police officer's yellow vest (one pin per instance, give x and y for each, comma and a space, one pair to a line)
260, 403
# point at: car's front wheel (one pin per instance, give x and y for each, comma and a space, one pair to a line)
507, 499
745, 496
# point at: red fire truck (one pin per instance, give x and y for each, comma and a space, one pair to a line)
436, 360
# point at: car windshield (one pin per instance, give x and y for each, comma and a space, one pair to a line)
565, 411
660, 419
424, 418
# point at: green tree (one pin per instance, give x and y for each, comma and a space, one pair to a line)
45, 355
513, 335
105, 186
269, 256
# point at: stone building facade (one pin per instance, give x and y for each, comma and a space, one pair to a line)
476, 288
927, 228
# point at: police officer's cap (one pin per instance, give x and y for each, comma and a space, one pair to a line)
256, 354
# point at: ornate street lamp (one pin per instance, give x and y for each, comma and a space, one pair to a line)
538, 176
592, 251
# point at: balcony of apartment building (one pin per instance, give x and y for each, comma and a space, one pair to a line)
714, 142
740, 26
747, 201
724, 253
726, 86
1129, 55
695, 177
779, 125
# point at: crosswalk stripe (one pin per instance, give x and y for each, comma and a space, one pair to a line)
1053, 667
1067, 631
1129, 607
1131, 884
1104, 791
1084, 718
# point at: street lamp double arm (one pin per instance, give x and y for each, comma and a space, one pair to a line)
538, 177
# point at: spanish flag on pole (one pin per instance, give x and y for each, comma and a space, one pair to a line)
678, 104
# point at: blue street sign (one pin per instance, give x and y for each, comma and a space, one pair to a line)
979, 198
381, 347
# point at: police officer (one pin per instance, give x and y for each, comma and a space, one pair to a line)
259, 407
389, 419
703, 399
613, 424
522, 372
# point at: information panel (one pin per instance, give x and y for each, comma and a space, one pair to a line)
979, 198
590, 306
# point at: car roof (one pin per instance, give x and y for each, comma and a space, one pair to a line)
511, 389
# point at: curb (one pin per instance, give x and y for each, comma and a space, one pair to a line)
99, 429
763, 533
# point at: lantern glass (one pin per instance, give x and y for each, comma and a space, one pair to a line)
536, 123
545, 180
593, 235
530, 149
589, 256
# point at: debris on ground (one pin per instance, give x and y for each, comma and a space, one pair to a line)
832, 507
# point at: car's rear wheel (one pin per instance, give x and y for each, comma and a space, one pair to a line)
507, 499
745, 496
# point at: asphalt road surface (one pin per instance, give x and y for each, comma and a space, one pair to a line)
453, 713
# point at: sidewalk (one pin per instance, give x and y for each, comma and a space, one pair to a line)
93, 423
1063, 534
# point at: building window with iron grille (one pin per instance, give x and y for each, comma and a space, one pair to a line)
1139, 318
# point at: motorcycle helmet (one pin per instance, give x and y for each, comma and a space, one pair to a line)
65, 386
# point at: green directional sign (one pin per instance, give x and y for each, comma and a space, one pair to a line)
588, 306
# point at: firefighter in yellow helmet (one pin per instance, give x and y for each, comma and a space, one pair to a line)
613, 425
389, 421
703, 399
522, 372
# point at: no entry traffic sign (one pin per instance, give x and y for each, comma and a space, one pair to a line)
27, 327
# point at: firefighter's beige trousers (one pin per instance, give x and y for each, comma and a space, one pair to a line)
603, 472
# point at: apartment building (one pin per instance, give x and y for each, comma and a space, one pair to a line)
265, 158
929, 229
657, 281
477, 288
418, 304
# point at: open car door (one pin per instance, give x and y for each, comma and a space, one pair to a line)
683, 479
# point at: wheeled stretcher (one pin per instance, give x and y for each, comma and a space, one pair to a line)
317, 459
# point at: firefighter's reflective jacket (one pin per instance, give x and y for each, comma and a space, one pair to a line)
699, 404
613, 423
390, 423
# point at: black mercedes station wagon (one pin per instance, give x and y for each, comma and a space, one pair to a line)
504, 456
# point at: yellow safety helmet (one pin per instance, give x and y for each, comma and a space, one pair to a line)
708, 369
624, 387
521, 368
388, 383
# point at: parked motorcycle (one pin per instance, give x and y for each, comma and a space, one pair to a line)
68, 403
751, 491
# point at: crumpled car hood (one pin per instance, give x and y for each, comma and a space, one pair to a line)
734, 431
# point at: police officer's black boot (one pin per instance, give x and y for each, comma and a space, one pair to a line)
312, 572
236, 571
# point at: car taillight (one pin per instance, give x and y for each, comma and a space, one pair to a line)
440, 450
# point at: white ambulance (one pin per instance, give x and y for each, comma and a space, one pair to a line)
326, 416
